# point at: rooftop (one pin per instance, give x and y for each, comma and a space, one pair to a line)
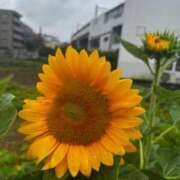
108, 11
11, 11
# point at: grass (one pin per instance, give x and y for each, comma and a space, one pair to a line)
22, 63
23, 71
24, 76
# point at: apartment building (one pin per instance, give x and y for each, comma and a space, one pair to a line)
11, 32
102, 32
130, 20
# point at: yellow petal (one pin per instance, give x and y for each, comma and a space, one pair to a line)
85, 167
125, 103
74, 159
38, 126
99, 74
123, 123
61, 168
117, 86
34, 135
28, 115
131, 112
130, 148
49, 73
118, 136
59, 54
115, 74
49, 81
134, 133
83, 72
94, 55
108, 144
94, 158
65, 72
42, 147
72, 57
46, 89
59, 154
54, 63
106, 156
47, 164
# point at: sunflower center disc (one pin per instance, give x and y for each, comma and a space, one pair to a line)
157, 41
73, 111
78, 114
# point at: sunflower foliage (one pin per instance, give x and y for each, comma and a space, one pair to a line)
160, 145
7, 109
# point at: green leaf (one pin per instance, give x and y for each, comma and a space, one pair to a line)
153, 175
7, 157
3, 84
169, 161
165, 94
6, 172
49, 175
7, 113
129, 172
5, 100
174, 110
134, 50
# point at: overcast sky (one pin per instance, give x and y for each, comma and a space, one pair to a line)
57, 17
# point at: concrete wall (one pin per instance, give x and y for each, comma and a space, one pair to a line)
80, 33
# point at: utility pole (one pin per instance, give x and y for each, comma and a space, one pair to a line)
99, 9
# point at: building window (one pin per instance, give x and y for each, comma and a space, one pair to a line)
94, 43
114, 13
116, 34
5, 15
105, 39
178, 65
3, 31
4, 22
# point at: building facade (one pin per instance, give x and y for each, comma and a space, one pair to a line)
11, 35
50, 41
130, 20
102, 32
142, 16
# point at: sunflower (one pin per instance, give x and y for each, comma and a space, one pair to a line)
156, 43
84, 116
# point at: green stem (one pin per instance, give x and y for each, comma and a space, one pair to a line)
149, 67
163, 133
152, 114
141, 154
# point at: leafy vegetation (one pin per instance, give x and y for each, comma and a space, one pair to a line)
163, 162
